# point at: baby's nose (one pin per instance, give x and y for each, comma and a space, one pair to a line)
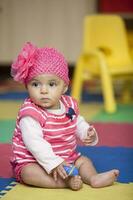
44, 89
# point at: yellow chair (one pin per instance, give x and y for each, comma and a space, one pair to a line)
105, 55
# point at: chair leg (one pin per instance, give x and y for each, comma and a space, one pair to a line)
126, 95
77, 81
108, 92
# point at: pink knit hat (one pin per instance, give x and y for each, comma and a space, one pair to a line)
33, 61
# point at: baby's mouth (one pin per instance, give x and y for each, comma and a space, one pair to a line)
45, 99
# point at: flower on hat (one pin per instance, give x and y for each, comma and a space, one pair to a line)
24, 62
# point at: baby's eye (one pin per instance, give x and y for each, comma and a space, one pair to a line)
52, 84
35, 84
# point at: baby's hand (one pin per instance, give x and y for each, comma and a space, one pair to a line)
91, 136
59, 170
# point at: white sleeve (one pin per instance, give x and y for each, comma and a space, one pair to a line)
33, 139
82, 128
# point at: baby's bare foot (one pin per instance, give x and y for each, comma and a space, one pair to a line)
104, 179
75, 182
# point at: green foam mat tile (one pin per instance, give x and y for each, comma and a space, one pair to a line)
124, 114
6, 130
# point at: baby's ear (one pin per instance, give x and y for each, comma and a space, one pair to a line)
65, 89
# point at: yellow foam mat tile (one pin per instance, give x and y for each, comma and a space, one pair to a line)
117, 191
89, 110
9, 109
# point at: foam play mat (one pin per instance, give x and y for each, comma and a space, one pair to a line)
117, 192
114, 150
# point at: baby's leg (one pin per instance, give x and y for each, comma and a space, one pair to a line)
34, 174
91, 177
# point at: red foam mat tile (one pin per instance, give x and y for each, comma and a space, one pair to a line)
115, 134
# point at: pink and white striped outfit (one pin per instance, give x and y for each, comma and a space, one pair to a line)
58, 130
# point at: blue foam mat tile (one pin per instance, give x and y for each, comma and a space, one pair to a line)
6, 184
13, 96
107, 158
21, 95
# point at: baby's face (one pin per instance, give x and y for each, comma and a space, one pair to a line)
45, 90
